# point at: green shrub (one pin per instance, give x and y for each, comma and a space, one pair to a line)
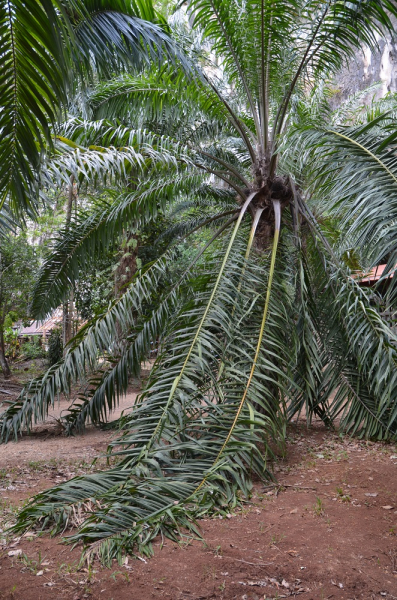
55, 347
11, 342
33, 349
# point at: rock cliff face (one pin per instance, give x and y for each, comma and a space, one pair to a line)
368, 68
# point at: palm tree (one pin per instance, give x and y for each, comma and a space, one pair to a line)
267, 319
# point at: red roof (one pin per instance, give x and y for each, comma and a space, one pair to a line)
45, 327
372, 276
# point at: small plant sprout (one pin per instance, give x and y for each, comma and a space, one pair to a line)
318, 508
342, 496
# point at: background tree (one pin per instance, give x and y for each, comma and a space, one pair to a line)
18, 267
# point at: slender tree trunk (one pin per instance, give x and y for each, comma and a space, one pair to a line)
127, 265
124, 273
3, 361
126, 268
67, 319
67, 323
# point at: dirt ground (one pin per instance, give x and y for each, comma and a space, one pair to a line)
328, 531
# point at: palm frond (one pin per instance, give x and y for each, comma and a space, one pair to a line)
32, 84
356, 352
356, 168
97, 229
94, 343
115, 35
40, 41
175, 433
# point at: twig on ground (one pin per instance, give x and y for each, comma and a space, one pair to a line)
285, 485
257, 564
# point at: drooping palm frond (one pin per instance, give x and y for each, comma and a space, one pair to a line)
312, 387
355, 168
347, 354
30, 88
189, 441
40, 43
112, 35
87, 351
97, 229
108, 165
365, 400
151, 96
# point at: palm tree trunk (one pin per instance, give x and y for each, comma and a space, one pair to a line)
67, 318
3, 361
127, 266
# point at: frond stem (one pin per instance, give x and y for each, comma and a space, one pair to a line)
212, 219
237, 63
364, 149
251, 238
219, 174
277, 212
234, 120
265, 76
226, 165
278, 122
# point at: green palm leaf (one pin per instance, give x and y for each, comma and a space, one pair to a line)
363, 194
40, 42
176, 432
30, 88
357, 352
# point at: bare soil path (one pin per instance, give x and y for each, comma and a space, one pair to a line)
328, 532
47, 443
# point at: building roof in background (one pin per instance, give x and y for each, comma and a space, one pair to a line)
372, 276
43, 327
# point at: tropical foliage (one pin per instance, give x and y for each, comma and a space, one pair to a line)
267, 319
51, 50
18, 267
